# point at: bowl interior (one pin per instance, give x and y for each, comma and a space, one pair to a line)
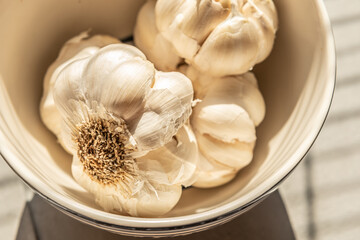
296, 81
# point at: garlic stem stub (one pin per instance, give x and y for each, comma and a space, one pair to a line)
124, 123
219, 38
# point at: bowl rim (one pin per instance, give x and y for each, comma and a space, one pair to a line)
149, 231
229, 209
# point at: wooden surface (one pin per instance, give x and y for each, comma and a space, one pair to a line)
323, 194
268, 220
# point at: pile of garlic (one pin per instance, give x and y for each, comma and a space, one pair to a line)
136, 134
215, 43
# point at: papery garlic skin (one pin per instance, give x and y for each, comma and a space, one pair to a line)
119, 78
212, 173
147, 38
179, 158
186, 24
219, 38
224, 123
75, 48
149, 200
156, 188
235, 155
114, 109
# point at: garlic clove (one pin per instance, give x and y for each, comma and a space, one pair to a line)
155, 127
250, 78
76, 48
147, 200
223, 121
234, 45
169, 105
169, 16
166, 12
266, 9
212, 174
148, 39
108, 59
175, 162
235, 155
240, 90
200, 81
125, 88
264, 16
167, 196
184, 46
204, 17
177, 83
67, 83
186, 24
151, 130
122, 88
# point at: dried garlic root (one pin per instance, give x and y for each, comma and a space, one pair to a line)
117, 115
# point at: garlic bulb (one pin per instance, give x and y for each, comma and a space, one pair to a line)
118, 82
81, 45
118, 116
147, 38
245, 38
154, 186
224, 123
218, 37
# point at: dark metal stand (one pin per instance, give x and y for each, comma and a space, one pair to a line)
266, 221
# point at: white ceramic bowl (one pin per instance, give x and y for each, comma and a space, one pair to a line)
297, 81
